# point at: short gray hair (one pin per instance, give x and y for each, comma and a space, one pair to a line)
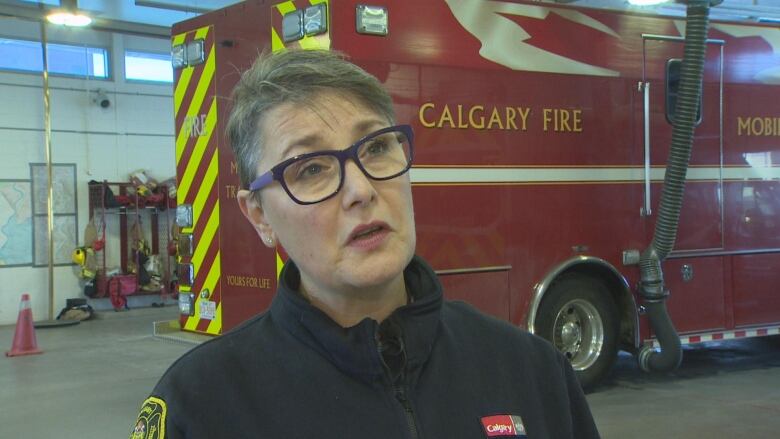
294, 76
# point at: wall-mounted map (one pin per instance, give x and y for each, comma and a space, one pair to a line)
63, 188
16, 243
65, 236
65, 231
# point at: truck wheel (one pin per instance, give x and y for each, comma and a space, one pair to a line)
579, 317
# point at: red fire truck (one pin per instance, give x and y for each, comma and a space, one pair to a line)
542, 136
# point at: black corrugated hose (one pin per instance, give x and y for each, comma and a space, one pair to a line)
652, 288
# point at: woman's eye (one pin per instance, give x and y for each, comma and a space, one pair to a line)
311, 169
377, 147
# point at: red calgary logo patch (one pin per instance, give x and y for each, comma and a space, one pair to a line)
503, 426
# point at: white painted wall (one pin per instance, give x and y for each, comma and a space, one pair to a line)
135, 132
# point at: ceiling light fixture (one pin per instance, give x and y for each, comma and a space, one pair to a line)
69, 15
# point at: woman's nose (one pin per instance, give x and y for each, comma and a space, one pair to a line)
357, 188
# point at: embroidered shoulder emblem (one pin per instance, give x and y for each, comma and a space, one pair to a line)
151, 420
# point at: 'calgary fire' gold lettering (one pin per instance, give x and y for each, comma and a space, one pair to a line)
475, 116
562, 120
758, 126
248, 281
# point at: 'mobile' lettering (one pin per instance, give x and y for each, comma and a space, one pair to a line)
758, 126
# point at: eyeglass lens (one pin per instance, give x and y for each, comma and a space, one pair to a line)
315, 178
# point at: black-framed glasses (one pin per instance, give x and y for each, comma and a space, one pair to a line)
316, 176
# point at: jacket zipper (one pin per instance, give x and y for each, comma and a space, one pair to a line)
399, 391
400, 395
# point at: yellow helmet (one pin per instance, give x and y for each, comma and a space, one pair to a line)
79, 256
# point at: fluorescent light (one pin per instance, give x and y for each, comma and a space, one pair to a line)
646, 2
69, 19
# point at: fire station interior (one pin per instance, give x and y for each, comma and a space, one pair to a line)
93, 297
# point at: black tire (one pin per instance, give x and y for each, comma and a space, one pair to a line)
580, 318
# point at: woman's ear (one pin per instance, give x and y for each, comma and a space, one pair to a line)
253, 211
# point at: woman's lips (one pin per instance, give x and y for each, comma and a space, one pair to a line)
370, 240
368, 236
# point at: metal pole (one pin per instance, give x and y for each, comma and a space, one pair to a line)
47, 141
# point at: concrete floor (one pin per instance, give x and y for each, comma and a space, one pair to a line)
722, 390
91, 379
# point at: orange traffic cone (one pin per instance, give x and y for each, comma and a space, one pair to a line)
24, 335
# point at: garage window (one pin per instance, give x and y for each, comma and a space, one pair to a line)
148, 66
64, 59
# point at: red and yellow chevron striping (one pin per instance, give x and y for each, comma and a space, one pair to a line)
197, 163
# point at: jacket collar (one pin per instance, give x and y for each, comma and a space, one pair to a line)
355, 350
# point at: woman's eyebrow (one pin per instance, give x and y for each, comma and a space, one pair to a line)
306, 142
360, 129
367, 126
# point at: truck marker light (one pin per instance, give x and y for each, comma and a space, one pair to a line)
315, 19
292, 26
187, 304
372, 20
184, 245
184, 215
178, 56
185, 274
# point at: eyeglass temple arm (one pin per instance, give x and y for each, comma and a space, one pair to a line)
262, 181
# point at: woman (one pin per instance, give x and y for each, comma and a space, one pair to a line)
358, 341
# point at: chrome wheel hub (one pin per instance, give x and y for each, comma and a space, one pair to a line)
570, 334
579, 333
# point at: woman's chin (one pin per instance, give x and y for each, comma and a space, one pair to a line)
375, 271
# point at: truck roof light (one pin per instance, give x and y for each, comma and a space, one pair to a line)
195, 53
190, 54
179, 56
372, 20
292, 26
315, 19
